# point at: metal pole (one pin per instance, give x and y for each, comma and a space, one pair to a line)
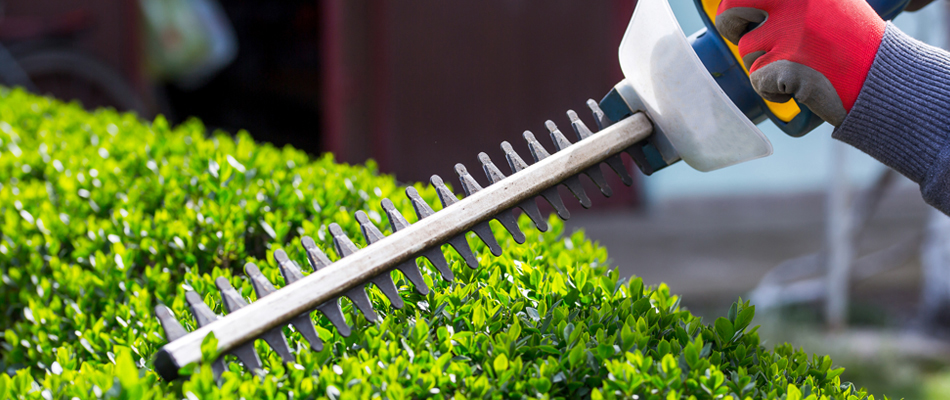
839, 241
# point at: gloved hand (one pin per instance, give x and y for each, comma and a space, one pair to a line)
818, 51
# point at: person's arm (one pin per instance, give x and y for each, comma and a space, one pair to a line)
902, 115
886, 93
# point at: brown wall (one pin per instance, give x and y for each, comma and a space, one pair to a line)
422, 85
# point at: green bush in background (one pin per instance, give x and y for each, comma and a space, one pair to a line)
103, 216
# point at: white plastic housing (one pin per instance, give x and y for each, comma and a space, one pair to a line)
686, 105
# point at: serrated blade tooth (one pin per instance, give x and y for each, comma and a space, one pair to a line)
435, 255
371, 233
640, 159
491, 170
615, 162
514, 160
539, 153
594, 172
396, 221
330, 309
315, 256
204, 316
409, 268
302, 322
383, 281
560, 141
334, 313
554, 199
261, 285
529, 206
344, 247
599, 116
202, 313
461, 246
288, 269
597, 176
507, 217
445, 195
468, 182
580, 128
483, 230
471, 186
508, 220
274, 337
232, 302
171, 326
423, 210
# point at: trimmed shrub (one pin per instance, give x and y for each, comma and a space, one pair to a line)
104, 216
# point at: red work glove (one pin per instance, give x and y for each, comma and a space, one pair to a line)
818, 51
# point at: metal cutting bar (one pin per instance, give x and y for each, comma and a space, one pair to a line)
263, 315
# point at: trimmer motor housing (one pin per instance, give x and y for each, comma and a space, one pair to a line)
721, 58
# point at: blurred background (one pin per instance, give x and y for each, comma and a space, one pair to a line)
839, 254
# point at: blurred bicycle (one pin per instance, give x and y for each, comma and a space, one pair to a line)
40, 54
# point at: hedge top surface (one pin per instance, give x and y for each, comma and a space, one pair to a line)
104, 216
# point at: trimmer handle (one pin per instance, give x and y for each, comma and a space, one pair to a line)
722, 60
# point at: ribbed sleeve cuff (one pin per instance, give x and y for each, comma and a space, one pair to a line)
902, 115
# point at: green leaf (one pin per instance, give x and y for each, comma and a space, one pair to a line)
627, 335
641, 306
125, 368
542, 385
744, 318
604, 351
691, 354
832, 374
514, 332
636, 288
5, 386
478, 318
209, 348
501, 363
663, 348
724, 330
825, 364
533, 313
568, 330
576, 356
793, 393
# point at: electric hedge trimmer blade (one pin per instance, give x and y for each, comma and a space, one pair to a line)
322, 289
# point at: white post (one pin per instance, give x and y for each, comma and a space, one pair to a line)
935, 265
839, 245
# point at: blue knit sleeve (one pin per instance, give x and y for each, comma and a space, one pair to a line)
902, 115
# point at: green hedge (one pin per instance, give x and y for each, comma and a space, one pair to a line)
104, 216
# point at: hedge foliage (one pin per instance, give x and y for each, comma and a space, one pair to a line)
104, 216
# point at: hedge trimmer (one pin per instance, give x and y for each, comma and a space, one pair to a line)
683, 99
